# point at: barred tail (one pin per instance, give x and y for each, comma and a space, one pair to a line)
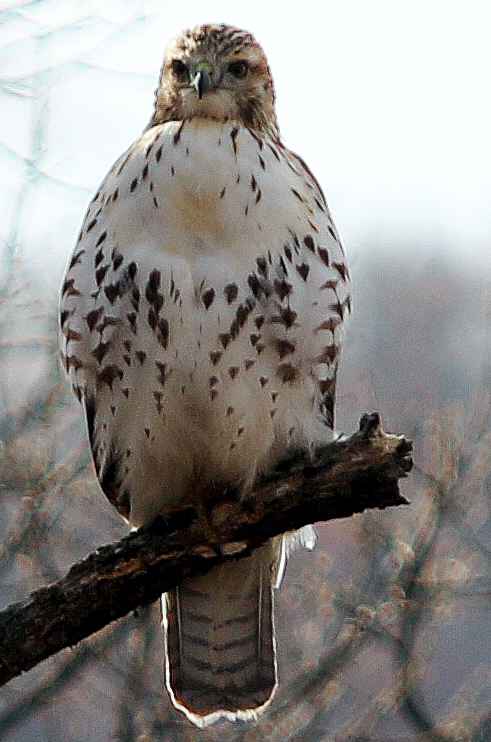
219, 641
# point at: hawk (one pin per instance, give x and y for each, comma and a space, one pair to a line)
201, 327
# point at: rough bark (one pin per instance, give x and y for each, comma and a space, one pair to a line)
346, 477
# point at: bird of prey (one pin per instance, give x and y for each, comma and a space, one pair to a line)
201, 327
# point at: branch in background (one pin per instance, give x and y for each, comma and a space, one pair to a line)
346, 477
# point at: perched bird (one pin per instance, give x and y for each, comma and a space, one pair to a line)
201, 327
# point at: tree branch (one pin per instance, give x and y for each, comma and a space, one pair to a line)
346, 477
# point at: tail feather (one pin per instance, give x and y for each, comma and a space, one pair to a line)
220, 643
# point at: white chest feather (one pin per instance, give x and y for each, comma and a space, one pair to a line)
202, 313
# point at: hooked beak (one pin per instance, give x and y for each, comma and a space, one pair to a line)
201, 83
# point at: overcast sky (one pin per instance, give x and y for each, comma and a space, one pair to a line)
388, 100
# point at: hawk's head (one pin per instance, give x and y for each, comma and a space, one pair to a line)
219, 72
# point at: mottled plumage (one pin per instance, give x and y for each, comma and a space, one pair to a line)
201, 321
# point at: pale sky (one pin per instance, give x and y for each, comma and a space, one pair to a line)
388, 101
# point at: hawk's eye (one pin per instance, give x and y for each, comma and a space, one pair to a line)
179, 69
238, 69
